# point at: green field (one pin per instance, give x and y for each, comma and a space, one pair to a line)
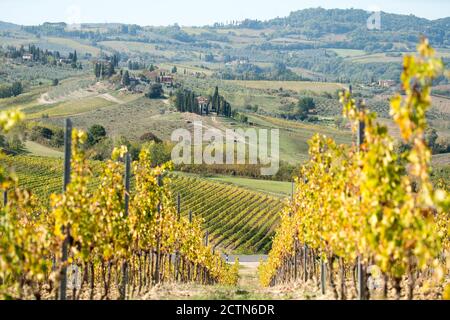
280, 189
67, 108
79, 46
345, 53
136, 47
23, 101
37, 149
297, 86
294, 135
186, 66
376, 57
51, 43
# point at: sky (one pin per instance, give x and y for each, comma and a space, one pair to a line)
194, 12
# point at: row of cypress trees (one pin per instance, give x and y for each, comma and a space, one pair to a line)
186, 101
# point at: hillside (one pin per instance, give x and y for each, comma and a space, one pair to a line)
7, 26
310, 40
264, 69
319, 22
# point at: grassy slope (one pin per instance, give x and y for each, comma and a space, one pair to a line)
296, 86
294, 136
276, 188
131, 119
72, 97
349, 52
136, 47
441, 160
75, 45
37, 149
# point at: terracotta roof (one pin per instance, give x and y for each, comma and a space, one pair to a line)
202, 100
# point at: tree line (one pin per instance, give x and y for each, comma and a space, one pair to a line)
37, 54
188, 101
135, 65
105, 67
13, 90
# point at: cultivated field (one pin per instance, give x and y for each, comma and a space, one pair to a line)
297, 86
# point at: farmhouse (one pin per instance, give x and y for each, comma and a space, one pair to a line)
203, 103
65, 60
237, 62
386, 83
152, 75
27, 57
167, 80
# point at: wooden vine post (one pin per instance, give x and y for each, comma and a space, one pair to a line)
62, 294
361, 269
179, 205
127, 178
305, 262
5, 198
158, 241
295, 262
177, 254
323, 278
295, 257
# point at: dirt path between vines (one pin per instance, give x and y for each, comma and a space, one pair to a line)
248, 288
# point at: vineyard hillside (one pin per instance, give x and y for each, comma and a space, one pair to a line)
237, 219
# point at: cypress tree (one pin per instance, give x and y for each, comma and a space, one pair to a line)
110, 70
215, 98
186, 102
97, 70
219, 100
126, 78
179, 100
194, 106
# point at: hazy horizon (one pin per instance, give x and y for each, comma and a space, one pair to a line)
194, 12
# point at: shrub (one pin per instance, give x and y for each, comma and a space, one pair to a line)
148, 137
156, 91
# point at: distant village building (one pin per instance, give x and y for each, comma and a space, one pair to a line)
27, 57
237, 62
167, 80
153, 76
65, 60
203, 103
386, 83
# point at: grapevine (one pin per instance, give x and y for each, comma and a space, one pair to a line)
152, 242
370, 205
